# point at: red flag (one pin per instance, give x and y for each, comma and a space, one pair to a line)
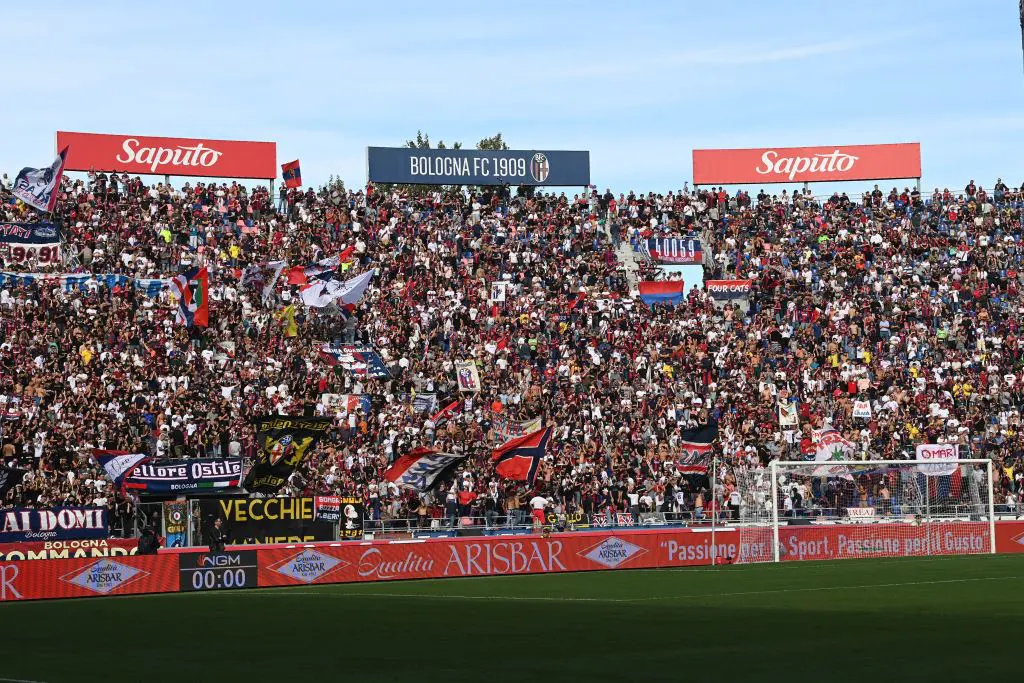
519, 458
292, 174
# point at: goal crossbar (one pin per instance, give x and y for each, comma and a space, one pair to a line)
788, 466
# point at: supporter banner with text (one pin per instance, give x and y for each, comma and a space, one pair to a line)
477, 167
806, 164
53, 524
267, 520
196, 476
63, 550
23, 242
151, 155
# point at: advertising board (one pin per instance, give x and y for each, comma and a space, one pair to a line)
406, 165
153, 155
764, 165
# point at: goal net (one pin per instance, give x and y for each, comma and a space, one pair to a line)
864, 508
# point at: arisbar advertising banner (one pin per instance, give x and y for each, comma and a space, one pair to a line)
151, 155
766, 165
52, 524
84, 578
321, 563
249, 521
405, 165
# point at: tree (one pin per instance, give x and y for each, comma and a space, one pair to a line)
492, 143
423, 142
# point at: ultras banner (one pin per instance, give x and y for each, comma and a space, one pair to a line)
152, 155
23, 242
267, 520
63, 550
284, 442
477, 167
806, 164
52, 524
197, 476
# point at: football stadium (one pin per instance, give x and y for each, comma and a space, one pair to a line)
674, 373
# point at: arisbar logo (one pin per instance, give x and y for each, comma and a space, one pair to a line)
1018, 539
103, 576
611, 552
309, 565
540, 169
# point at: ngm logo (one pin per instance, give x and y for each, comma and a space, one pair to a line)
219, 561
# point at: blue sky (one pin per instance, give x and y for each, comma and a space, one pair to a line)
638, 84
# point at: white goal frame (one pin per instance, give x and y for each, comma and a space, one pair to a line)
778, 466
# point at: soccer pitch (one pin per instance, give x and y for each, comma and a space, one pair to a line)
930, 619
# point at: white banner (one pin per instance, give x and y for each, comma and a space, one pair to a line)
936, 459
862, 409
468, 376
787, 414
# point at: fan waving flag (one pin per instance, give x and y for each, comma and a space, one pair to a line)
421, 468
9, 478
325, 291
119, 464
292, 174
696, 445
662, 292
37, 187
190, 289
519, 458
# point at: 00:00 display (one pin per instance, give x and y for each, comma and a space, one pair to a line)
206, 580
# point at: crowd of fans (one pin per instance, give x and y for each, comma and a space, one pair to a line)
910, 302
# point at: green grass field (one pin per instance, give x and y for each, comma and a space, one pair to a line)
935, 619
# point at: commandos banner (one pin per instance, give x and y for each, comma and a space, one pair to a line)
284, 442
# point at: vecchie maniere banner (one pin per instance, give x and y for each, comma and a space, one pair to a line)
194, 476
267, 520
22, 242
405, 165
284, 442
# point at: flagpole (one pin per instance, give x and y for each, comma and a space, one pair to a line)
714, 509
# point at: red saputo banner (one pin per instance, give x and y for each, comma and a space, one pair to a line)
324, 563
806, 164
145, 154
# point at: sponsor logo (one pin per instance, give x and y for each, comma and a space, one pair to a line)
773, 164
103, 576
194, 155
1018, 539
540, 169
373, 564
45, 231
219, 561
308, 566
8, 574
612, 552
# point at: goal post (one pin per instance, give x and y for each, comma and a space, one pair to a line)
838, 509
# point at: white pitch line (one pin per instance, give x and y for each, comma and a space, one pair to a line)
523, 598
18, 680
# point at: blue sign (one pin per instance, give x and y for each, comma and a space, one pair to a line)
405, 165
29, 233
53, 524
196, 476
